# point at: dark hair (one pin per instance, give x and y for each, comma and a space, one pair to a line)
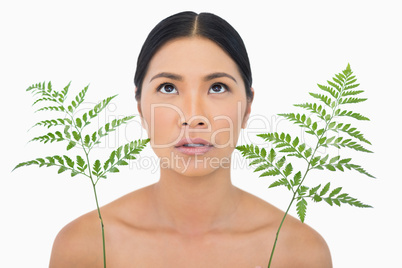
188, 24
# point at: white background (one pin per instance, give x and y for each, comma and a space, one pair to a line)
292, 46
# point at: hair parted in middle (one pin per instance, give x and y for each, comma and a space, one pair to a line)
191, 24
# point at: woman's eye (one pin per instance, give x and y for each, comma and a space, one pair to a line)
167, 88
218, 88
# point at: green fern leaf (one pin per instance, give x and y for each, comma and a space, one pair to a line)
351, 100
280, 162
257, 161
65, 91
52, 108
271, 172
308, 152
288, 170
120, 155
359, 169
351, 92
325, 189
78, 99
325, 99
351, 114
71, 145
296, 179
301, 208
61, 169
314, 190
315, 109
100, 106
280, 182
27, 163
353, 132
328, 200
262, 167
109, 127
44, 99
330, 90
69, 162
53, 122
335, 85
351, 86
50, 137
302, 190
335, 191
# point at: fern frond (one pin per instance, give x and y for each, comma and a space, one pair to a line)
52, 108
284, 142
65, 91
296, 179
334, 197
280, 182
351, 92
351, 100
54, 122
337, 163
125, 152
302, 121
270, 172
100, 106
357, 116
349, 143
46, 91
352, 131
314, 108
107, 128
77, 100
325, 99
301, 208
44, 99
358, 169
351, 86
56, 161
50, 137
330, 90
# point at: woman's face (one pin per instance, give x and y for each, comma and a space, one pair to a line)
193, 106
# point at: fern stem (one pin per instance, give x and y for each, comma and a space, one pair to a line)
94, 189
279, 229
97, 207
102, 225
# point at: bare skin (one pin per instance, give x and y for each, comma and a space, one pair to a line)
135, 237
193, 216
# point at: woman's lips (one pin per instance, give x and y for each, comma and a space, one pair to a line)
193, 150
194, 146
192, 141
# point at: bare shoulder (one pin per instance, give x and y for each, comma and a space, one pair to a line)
78, 244
308, 247
298, 244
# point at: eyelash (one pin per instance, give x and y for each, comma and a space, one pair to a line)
167, 83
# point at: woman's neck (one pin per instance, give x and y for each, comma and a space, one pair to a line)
195, 205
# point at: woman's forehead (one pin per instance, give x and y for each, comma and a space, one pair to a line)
192, 56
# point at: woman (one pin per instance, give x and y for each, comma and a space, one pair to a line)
194, 94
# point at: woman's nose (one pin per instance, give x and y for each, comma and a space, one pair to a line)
194, 111
196, 122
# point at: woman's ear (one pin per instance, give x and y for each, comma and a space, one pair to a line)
248, 109
140, 111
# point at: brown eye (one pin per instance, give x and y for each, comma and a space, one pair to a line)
218, 88
167, 88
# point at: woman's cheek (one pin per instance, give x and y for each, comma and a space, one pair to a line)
226, 129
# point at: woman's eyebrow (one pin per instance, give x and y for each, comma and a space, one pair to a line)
218, 75
180, 78
168, 75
